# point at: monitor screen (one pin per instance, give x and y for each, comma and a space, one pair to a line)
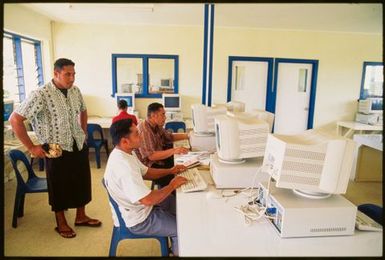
165, 82
377, 104
128, 99
171, 102
8, 109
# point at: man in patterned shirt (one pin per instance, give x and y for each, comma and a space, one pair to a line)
58, 115
156, 149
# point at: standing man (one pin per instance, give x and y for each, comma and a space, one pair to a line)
156, 149
58, 115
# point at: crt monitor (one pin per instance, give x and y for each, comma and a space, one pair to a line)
258, 114
129, 98
171, 102
235, 106
370, 105
8, 109
203, 118
239, 138
315, 164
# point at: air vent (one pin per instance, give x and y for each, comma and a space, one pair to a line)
323, 230
305, 154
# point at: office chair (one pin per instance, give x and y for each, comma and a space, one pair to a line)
175, 126
372, 211
122, 232
96, 143
33, 184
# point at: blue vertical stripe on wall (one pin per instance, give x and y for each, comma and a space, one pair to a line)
211, 54
205, 39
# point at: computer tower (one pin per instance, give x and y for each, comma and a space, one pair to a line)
296, 216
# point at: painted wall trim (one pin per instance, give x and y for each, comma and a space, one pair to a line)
270, 62
313, 87
367, 63
145, 68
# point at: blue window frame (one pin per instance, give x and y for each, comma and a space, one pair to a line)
372, 81
17, 41
145, 81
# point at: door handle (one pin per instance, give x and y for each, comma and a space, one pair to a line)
306, 109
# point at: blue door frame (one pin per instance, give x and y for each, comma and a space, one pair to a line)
270, 62
313, 86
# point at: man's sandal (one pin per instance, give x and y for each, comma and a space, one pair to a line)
90, 223
66, 234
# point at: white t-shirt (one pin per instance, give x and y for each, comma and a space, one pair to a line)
124, 181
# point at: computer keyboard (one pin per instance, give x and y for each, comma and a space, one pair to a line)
195, 181
363, 222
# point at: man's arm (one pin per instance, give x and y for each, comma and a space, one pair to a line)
153, 173
83, 120
161, 155
179, 136
157, 196
18, 127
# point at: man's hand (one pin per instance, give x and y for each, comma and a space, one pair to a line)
178, 181
37, 151
180, 150
178, 169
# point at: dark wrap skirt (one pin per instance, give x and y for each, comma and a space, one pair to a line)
69, 179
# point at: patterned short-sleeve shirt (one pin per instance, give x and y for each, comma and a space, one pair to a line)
54, 117
153, 139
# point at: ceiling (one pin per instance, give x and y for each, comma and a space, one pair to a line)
359, 18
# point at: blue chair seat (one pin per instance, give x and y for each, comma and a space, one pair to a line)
33, 184
373, 211
37, 185
122, 232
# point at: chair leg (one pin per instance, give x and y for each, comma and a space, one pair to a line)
97, 154
21, 206
164, 246
106, 146
114, 242
41, 164
16, 209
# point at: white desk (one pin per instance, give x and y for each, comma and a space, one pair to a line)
210, 227
352, 126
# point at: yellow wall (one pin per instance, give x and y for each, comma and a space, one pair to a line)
21, 20
91, 46
340, 55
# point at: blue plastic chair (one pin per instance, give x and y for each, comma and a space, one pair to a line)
122, 232
96, 143
33, 184
174, 126
372, 211
41, 163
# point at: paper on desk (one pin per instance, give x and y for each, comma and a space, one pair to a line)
202, 156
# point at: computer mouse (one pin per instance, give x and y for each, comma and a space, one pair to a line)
214, 194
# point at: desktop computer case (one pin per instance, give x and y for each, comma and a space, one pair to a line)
296, 216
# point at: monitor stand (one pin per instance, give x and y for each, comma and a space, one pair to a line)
311, 194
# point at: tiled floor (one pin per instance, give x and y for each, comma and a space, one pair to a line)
35, 235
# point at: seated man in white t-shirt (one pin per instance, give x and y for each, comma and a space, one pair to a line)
145, 211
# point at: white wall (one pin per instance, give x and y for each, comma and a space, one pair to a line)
23, 21
91, 46
340, 55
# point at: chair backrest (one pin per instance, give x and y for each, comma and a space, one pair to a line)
115, 206
175, 126
15, 156
91, 128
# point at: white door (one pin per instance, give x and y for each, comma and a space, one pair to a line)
292, 98
249, 81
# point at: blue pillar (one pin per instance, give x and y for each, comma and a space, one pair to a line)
208, 40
